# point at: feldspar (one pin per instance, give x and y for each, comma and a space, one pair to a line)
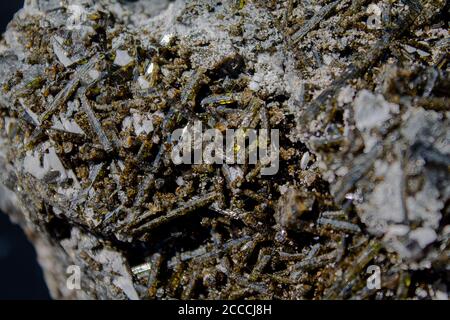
91, 91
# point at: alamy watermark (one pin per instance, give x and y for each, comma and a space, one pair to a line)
73, 281
374, 280
192, 145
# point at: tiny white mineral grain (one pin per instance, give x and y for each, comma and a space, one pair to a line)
122, 58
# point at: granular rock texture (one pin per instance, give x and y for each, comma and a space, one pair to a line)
358, 89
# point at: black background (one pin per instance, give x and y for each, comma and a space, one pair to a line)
20, 274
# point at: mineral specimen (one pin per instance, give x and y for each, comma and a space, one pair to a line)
358, 89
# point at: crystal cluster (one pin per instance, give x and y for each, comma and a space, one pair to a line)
92, 90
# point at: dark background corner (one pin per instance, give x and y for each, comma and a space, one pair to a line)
20, 274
